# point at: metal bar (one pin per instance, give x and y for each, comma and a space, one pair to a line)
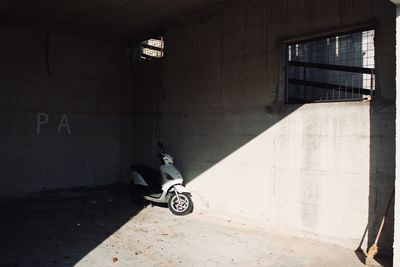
304, 84
295, 100
154, 38
147, 57
349, 29
330, 86
330, 67
151, 47
372, 84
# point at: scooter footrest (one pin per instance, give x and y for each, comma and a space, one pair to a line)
155, 195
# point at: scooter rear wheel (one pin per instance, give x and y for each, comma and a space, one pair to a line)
184, 208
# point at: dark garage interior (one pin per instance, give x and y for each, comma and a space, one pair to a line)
279, 114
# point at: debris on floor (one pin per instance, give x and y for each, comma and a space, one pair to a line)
41, 232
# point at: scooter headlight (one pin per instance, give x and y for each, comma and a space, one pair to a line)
167, 159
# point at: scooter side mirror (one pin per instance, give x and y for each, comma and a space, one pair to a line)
161, 146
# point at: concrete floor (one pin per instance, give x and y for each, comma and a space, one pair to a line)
105, 228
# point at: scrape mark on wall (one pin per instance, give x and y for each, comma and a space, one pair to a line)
309, 211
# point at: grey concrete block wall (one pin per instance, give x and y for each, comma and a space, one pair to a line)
147, 84
309, 170
85, 85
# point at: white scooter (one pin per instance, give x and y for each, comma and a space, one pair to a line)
164, 186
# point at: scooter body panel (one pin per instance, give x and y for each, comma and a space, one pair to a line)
162, 199
181, 189
138, 179
168, 172
166, 189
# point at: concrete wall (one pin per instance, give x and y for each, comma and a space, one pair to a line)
147, 83
85, 85
323, 171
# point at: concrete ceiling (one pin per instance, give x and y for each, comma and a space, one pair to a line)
122, 18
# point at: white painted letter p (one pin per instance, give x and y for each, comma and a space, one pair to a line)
42, 118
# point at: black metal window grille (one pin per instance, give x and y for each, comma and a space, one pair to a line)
152, 48
336, 68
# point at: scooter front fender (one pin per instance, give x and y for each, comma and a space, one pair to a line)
180, 189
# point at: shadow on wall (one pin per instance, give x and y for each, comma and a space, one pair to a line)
382, 176
320, 171
311, 170
381, 185
62, 228
207, 139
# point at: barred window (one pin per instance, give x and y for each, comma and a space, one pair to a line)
152, 48
334, 68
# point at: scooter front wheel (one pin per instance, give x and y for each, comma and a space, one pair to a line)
180, 204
